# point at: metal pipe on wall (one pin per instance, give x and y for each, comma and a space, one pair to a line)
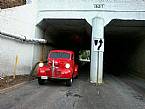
22, 38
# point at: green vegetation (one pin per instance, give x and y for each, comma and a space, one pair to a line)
84, 54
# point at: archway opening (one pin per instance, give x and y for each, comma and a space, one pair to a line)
67, 34
125, 48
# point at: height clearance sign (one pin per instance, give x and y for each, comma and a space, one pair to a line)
98, 44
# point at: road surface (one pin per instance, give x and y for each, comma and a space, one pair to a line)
115, 93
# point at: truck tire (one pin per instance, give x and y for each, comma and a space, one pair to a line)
69, 82
41, 81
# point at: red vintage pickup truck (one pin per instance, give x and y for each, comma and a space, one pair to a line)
60, 65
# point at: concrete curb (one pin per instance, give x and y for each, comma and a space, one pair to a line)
14, 87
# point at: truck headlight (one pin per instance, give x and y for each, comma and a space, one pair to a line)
67, 65
41, 64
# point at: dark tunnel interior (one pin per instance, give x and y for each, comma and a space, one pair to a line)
67, 33
124, 47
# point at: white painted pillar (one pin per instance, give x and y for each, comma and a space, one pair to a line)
97, 49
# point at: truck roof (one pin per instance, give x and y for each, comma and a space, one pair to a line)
67, 51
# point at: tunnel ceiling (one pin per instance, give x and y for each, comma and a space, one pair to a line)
125, 29
67, 33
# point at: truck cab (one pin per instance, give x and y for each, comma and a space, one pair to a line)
60, 65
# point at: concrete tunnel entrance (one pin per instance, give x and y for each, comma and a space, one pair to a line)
124, 49
124, 52
67, 34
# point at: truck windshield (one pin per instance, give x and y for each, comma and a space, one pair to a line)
59, 55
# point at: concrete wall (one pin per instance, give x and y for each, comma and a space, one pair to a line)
39, 32
88, 9
8, 51
136, 63
89, 15
119, 5
18, 21
41, 51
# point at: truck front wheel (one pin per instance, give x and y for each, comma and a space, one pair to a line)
69, 82
41, 81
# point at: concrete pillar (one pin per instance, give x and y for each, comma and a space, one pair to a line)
97, 49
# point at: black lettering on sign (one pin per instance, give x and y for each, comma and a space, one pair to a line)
98, 5
96, 42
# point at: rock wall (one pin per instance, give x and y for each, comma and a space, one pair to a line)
11, 3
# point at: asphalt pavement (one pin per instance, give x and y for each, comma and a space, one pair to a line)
114, 93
